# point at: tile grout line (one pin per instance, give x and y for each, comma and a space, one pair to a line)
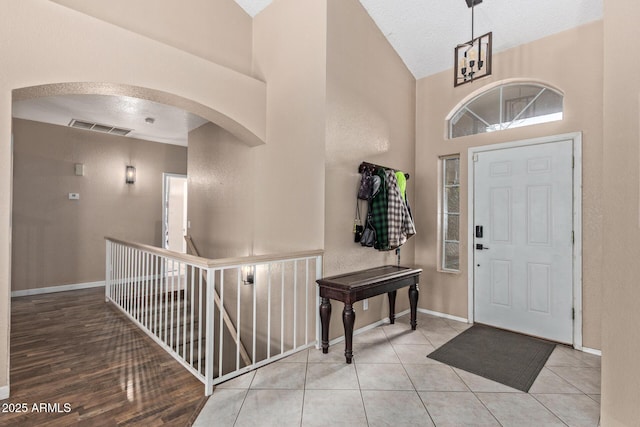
477, 398
304, 387
409, 376
245, 398
548, 409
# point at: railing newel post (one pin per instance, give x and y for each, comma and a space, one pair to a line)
107, 273
209, 349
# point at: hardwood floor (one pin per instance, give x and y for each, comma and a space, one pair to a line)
89, 365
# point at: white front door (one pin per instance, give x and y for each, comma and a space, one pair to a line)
523, 246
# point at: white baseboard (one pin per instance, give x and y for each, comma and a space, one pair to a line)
61, 288
592, 351
4, 392
443, 315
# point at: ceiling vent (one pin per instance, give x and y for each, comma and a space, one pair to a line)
79, 124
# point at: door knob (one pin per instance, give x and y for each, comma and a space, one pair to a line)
480, 246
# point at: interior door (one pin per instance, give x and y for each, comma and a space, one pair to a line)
523, 246
175, 212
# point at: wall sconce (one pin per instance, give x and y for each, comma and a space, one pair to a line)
248, 274
130, 175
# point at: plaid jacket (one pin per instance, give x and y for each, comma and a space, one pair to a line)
379, 218
400, 224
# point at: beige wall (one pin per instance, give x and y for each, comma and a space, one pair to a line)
268, 199
220, 203
216, 30
571, 62
289, 42
299, 189
57, 241
621, 293
46, 43
370, 117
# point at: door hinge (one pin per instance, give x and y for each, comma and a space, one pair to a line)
475, 157
573, 313
573, 237
573, 162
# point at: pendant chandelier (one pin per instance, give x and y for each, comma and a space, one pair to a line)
472, 59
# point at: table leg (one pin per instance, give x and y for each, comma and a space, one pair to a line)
392, 306
348, 318
413, 302
325, 316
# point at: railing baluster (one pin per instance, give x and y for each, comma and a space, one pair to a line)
143, 290
118, 275
164, 300
255, 302
151, 291
138, 290
238, 316
269, 312
282, 307
318, 277
138, 283
129, 286
107, 269
154, 295
221, 309
123, 276
192, 315
130, 279
159, 296
178, 305
200, 294
295, 303
173, 287
306, 301
115, 261
185, 300
211, 288
125, 271
146, 288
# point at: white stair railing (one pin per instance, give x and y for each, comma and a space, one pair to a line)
216, 298
218, 318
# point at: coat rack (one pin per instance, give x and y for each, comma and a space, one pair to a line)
373, 168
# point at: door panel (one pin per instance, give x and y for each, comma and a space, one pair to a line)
501, 282
523, 271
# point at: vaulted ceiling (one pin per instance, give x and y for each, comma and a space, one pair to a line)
423, 32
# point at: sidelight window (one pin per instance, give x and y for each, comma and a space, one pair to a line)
450, 213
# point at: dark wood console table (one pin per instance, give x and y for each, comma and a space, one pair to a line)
356, 286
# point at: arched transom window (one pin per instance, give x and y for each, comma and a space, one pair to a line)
507, 106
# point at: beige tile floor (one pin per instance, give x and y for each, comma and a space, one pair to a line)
391, 382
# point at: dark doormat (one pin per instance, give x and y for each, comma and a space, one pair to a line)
506, 357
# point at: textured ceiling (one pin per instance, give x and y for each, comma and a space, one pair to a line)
425, 32
171, 125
